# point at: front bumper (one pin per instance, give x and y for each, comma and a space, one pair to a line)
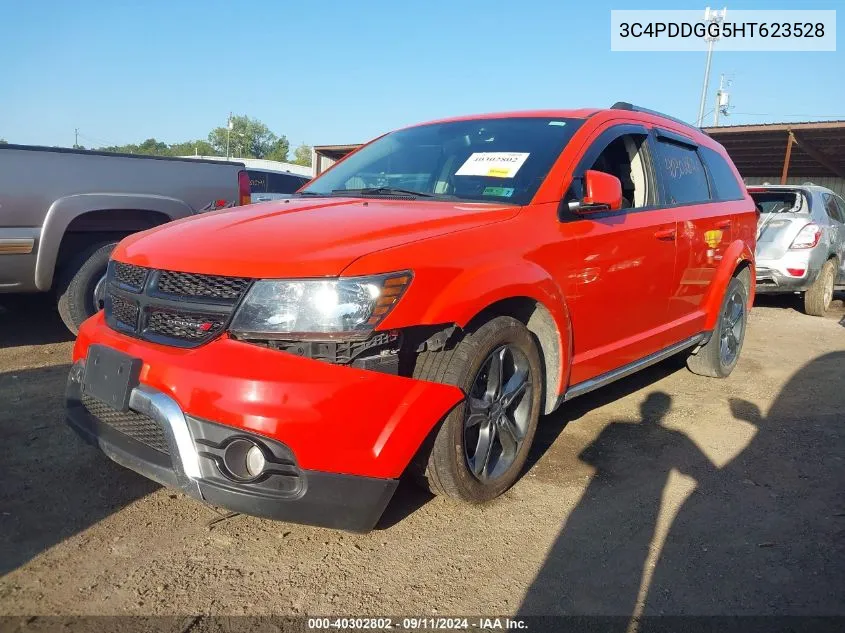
178, 460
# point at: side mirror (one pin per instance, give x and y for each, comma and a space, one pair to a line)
602, 192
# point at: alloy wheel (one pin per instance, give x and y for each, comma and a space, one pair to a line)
498, 413
732, 325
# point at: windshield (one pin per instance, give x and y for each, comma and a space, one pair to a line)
480, 160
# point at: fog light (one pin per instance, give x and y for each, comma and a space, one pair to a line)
255, 461
243, 460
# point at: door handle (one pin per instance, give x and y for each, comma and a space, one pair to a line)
665, 234
724, 224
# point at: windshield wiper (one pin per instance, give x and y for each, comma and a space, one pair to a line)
382, 191
309, 193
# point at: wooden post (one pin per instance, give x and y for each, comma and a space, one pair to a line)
785, 171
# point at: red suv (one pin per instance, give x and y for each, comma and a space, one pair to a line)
415, 309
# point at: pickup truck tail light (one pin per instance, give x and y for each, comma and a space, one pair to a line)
807, 237
244, 191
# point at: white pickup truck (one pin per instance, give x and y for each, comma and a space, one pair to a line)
63, 210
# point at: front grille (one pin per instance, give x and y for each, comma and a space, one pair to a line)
125, 312
133, 277
168, 307
180, 325
136, 425
202, 286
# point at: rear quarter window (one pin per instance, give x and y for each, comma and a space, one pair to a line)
722, 179
682, 174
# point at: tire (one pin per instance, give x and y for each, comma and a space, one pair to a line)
443, 465
76, 284
817, 299
730, 328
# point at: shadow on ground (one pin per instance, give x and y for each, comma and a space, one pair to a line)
761, 534
30, 320
53, 485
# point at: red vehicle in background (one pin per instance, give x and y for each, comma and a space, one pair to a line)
415, 309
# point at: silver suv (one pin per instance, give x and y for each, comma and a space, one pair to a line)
800, 242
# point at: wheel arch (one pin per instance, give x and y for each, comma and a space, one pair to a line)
738, 261
80, 220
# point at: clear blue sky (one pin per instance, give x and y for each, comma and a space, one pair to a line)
335, 71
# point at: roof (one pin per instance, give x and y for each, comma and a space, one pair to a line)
760, 149
263, 164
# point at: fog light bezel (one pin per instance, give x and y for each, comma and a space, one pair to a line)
233, 463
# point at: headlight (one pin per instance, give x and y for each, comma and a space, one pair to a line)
316, 308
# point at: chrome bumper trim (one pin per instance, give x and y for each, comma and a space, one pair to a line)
167, 413
164, 410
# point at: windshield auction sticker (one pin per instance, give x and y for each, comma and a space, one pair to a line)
493, 164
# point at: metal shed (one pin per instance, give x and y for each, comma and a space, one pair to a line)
787, 153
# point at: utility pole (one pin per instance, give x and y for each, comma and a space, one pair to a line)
75, 137
228, 133
723, 98
711, 17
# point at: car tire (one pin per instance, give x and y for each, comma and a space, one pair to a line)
77, 282
817, 299
453, 461
718, 357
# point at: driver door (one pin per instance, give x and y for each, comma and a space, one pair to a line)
627, 260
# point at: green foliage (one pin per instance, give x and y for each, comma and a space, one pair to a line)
3, 141
249, 138
193, 148
302, 155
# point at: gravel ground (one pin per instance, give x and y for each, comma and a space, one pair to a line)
665, 493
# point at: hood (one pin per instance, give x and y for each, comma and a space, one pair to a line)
299, 237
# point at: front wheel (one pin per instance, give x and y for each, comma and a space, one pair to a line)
481, 447
81, 285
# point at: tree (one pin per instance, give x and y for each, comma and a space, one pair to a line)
3, 141
302, 155
249, 138
193, 148
280, 150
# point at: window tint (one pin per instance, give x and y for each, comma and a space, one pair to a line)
257, 181
841, 204
722, 178
831, 208
284, 183
680, 168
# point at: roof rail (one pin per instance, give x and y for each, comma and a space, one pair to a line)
624, 105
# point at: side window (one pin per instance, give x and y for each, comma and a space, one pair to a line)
625, 157
841, 204
682, 173
831, 208
282, 183
257, 181
722, 179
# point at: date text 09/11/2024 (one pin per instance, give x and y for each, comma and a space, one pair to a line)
417, 624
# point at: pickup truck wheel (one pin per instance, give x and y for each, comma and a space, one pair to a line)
480, 448
81, 284
718, 357
817, 299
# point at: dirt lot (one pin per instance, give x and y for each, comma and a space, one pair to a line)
665, 493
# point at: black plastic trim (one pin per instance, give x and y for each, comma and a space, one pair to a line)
333, 500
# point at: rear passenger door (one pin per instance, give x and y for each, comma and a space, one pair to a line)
704, 227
